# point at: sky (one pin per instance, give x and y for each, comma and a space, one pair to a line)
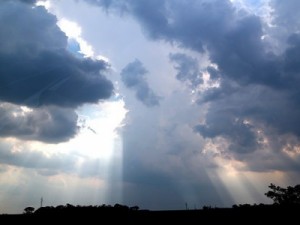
160, 104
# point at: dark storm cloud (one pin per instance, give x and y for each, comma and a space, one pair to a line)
133, 76
213, 73
242, 138
232, 39
238, 113
258, 88
29, 1
24, 1
188, 69
36, 68
47, 124
169, 19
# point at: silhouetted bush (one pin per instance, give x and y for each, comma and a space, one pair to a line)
28, 210
289, 195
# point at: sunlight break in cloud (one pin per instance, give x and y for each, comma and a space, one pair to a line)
73, 31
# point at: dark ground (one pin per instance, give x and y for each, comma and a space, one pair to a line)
246, 214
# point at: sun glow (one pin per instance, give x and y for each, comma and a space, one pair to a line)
74, 31
99, 126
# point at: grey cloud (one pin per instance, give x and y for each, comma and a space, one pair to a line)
24, 1
188, 69
133, 76
274, 104
278, 153
241, 135
3, 168
232, 39
36, 67
169, 19
48, 124
234, 43
240, 113
47, 165
29, 1
256, 84
163, 155
213, 72
291, 66
285, 14
175, 187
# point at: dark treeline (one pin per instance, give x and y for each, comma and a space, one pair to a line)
238, 214
70, 209
285, 209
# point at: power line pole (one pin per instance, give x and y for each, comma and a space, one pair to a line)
41, 202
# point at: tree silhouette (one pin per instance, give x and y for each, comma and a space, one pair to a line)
28, 210
289, 195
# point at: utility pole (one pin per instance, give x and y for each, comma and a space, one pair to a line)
41, 202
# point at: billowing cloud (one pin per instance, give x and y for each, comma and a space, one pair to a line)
37, 70
26, 1
256, 96
36, 67
133, 76
48, 124
188, 69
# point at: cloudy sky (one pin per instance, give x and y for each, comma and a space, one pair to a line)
155, 103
